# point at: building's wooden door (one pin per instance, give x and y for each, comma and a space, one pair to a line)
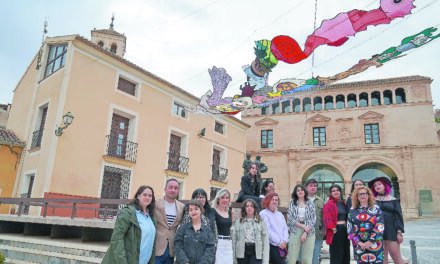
118, 136
174, 153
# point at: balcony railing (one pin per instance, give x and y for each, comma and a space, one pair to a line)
36, 138
116, 148
177, 163
219, 174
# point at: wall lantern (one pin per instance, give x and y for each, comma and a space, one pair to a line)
67, 119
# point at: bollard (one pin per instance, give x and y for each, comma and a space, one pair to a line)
413, 251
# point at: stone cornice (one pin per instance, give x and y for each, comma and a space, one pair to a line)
266, 122
318, 118
371, 115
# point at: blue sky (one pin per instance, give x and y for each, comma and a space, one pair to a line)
180, 40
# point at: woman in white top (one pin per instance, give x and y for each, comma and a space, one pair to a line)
301, 221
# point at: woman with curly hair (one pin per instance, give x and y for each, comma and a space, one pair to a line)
250, 240
365, 227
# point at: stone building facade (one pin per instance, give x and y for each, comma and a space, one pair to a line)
353, 130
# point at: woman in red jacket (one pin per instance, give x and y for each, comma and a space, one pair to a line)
335, 220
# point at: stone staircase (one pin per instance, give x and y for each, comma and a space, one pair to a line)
21, 249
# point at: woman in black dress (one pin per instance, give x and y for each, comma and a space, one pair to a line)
251, 184
393, 218
354, 185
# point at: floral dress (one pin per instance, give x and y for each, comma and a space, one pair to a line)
366, 224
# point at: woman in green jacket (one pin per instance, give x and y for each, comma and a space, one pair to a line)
134, 234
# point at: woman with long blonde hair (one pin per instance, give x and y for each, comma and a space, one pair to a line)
223, 218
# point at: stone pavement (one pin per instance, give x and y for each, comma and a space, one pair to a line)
426, 233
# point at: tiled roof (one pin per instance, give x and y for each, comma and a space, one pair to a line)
9, 137
108, 31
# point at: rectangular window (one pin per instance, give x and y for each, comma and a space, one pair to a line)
264, 110
56, 58
179, 110
372, 134
319, 136
127, 86
266, 138
219, 127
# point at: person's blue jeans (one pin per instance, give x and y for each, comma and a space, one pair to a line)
316, 251
165, 258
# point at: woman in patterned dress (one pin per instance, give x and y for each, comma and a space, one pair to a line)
365, 227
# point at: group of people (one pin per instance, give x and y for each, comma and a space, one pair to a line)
164, 231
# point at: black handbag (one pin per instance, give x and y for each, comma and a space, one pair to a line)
249, 249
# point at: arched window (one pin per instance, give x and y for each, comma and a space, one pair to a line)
387, 97
363, 100
101, 44
113, 48
317, 103
340, 101
328, 100
307, 104
285, 106
276, 108
373, 170
351, 101
375, 98
325, 175
400, 96
296, 105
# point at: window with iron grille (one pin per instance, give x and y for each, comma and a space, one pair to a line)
266, 138
319, 136
56, 58
179, 110
127, 86
219, 127
371, 133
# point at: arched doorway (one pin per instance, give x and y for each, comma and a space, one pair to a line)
325, 175
372, 170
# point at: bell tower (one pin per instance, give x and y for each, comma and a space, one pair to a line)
109, 39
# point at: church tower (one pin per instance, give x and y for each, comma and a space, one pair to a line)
109, 39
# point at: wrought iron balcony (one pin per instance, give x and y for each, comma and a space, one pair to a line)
219, 174
177, 163
36, 138
121, 149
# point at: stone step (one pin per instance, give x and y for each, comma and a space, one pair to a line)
45, 245
46, 257
16, 261
43, 249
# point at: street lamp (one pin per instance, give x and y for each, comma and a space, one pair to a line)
67, 119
